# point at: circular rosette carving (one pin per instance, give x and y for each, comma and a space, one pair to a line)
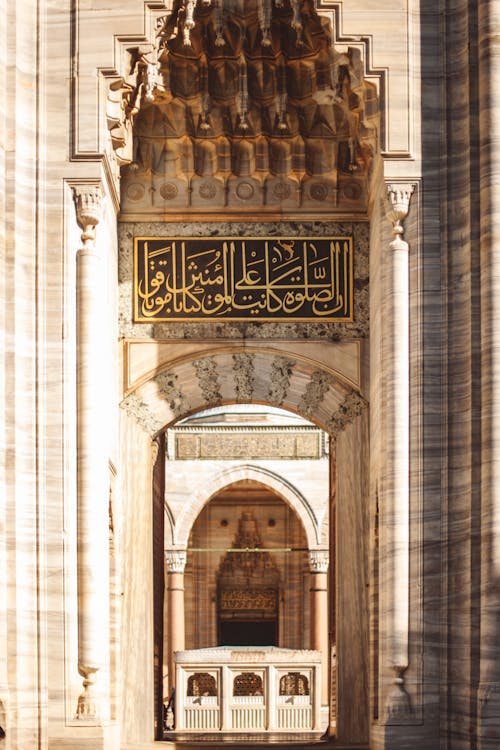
169, 191
135, 191
319, 191
245, 191
208, 190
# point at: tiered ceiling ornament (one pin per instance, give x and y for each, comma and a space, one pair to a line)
245, 107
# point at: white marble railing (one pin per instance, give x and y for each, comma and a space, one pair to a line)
248, 689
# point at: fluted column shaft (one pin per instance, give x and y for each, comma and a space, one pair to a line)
92, 461
176, 562
318, 562
398, 444
489, 103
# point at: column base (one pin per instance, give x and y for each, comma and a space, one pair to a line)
488, 710
105, 736
398, 705
390, 737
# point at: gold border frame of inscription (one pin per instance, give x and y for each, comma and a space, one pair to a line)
206, 319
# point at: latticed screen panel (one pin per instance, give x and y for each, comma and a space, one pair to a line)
247, 683
294, 683
201, 683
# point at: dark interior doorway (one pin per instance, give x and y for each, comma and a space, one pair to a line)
248, 633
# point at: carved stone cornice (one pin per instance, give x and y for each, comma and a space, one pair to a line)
175, 560
88, 206
319, 560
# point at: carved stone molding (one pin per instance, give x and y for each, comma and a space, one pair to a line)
281, 370
138, 409
243, 371
88, 206
207, 374
176, 560
314, 393
318, 560
167, 385
352, 407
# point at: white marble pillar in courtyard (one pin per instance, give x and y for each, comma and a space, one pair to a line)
176, 562
318, 565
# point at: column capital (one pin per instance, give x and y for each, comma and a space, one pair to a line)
176, 560
88, 206
318, 560
398, 196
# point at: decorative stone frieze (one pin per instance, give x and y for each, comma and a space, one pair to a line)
243, 373
176, 560
233, 443
206, 372
318, 560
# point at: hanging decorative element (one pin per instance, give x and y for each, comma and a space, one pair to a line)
219, 23
265, 10
242, 101
188, 22
297, 20
252, 565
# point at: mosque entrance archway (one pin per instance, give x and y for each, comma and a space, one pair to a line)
348, 529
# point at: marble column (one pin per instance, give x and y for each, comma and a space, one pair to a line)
176, 562
396, 514
318, 565
92, 457
489, 96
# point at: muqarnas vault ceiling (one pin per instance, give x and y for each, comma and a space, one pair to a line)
245, 106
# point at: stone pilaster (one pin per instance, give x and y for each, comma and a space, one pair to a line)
176, 562
92, 457
318, 565
398, 706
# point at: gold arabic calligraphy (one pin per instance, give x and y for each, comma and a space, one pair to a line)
264, 278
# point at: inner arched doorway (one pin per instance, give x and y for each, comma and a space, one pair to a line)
246, 577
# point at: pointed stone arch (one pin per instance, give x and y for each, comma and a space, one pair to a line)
285, 490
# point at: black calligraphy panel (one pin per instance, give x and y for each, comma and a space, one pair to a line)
233, 278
